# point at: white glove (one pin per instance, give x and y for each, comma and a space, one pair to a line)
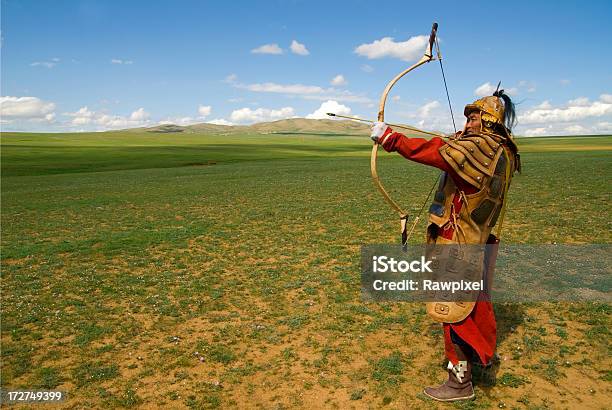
378, 130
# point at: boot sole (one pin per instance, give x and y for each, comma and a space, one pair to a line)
452, 399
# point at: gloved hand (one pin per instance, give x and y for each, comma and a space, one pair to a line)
378, 130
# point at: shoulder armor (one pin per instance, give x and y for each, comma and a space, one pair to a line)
473, 157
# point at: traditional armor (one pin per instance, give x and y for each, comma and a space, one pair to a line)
487, 161
484, 162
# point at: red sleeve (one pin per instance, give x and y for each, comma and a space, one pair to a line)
425, 152
417, 149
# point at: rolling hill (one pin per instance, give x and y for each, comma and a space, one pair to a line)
288, 126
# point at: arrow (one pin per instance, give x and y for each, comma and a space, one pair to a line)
331, 114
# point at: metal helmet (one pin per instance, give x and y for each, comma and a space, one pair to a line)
492, 117
491, 110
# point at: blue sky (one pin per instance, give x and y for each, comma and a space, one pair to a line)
98, 65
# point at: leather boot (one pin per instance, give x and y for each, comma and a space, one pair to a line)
459, 383
486, 375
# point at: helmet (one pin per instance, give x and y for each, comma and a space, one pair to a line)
492, 115
491, 110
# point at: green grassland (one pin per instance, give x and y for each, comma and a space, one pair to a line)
216, 271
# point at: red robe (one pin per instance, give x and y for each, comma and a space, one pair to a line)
479, 329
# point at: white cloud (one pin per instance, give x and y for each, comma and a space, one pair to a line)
579, 102
338, 80
120, 61
607, 98
575, 110
535, 132
488, 89
545, 105
396, 98
309, 92
113, 121
103, 121
575, 129
430, 116
268, 49
407, 50
26, 108
298, 48
425, 110
247, 115
219, 121
577, 116
139, 115
183, 121
529, 86
329, 106
604, 127
81, 117
204, 110
586, 128
485, 90
47, 64
282, 88
565, 81
367, 68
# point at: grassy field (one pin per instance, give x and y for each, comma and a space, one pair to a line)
195, 271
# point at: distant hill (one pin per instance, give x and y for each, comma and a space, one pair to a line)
288, 126
303, 125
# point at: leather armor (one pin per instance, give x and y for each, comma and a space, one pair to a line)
485, 162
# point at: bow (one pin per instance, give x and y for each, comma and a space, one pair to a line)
427, 57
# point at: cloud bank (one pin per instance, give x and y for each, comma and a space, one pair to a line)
408, 50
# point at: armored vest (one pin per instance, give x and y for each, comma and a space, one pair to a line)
486, 163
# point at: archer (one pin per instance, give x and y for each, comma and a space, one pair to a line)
477, 165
